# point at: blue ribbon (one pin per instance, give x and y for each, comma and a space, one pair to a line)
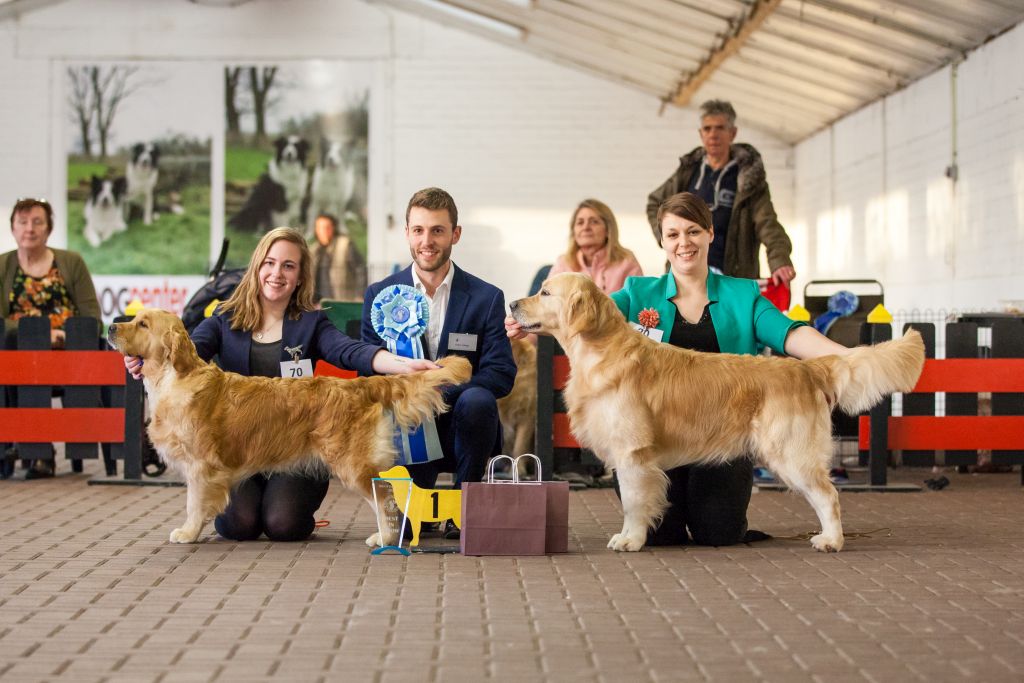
840, 305
399, 316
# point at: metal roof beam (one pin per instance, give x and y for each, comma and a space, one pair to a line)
876, 19
626, 19
657, 47
823, 57
881, 46
760, 11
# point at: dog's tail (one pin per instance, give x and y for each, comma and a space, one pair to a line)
871, 372
414, 397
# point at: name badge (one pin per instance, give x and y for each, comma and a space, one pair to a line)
460, 341
297, 369
652, 333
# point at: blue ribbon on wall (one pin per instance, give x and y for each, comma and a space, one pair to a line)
399, 316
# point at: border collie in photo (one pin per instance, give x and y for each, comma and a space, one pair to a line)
288, 168
264, 209
104, 209
334, 181
142, 173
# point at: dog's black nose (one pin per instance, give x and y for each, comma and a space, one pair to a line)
514, 305
112, 330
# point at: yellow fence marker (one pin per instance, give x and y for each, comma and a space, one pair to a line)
879, 315
800, 313
133, 307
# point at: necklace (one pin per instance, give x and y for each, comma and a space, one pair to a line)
267, 329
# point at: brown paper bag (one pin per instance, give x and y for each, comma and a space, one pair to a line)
556, 536
557, 504
503, 517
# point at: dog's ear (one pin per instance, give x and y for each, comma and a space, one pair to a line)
587, 310
181, 352
576, 312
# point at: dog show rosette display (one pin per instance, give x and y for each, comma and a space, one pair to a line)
399, 316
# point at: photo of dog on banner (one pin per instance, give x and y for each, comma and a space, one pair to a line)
640, 404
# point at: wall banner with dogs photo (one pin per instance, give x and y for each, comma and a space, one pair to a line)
138, 139
296, 139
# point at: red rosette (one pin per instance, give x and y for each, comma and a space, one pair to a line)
648, 318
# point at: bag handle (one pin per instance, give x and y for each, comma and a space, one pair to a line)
514, 464
490, 469
515, 470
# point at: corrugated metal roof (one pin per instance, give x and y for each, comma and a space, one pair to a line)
791, 67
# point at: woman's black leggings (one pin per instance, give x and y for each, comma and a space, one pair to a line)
709, 500
278, 505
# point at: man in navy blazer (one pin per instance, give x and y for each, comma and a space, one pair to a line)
467, 319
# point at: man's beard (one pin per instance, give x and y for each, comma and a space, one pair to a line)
444, 255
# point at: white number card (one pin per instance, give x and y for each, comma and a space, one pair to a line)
297, 369
652, 332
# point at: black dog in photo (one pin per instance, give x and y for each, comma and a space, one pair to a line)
288, 169
104, 209
264, 209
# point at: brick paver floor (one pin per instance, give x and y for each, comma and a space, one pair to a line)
90, 590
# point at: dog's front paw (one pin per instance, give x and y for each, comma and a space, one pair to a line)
183, 536
622, 542
373, 540
827, 544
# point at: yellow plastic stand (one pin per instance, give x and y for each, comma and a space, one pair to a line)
426, 505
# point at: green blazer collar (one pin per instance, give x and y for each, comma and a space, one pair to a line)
667, 310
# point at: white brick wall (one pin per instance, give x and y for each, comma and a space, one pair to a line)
517, 140
872, 199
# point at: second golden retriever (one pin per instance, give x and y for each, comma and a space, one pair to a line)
217, 428
645, 407
518, 410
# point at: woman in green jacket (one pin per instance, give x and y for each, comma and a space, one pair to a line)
701, 310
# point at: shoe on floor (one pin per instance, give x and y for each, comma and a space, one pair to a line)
41, 469
838, 475
451, 532
763, 475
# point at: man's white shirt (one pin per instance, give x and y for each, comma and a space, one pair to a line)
438, 308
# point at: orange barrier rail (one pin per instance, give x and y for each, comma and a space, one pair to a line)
561, 434
953, 432
62, 368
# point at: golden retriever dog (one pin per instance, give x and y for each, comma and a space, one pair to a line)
217, 428
518, 410
645, 407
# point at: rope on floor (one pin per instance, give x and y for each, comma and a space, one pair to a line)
806, 536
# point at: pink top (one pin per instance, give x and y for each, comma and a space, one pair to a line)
609, 276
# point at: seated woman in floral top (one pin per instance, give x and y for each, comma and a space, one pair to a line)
37, 280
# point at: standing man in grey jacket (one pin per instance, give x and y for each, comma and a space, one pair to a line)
730, 178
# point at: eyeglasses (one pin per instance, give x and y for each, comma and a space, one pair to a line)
36, 200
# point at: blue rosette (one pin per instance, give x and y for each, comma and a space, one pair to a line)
399, 316
841, 304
